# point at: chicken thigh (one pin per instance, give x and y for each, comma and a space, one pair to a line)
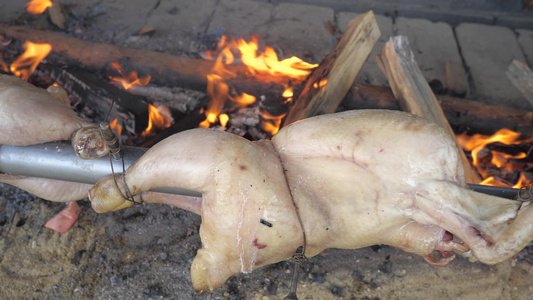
30, 115
345, 180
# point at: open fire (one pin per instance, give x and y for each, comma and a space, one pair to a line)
260, 65
495, 166
159, 117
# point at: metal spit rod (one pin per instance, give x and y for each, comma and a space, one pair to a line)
57, 160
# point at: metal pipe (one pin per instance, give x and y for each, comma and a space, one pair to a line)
57, 160
504, 192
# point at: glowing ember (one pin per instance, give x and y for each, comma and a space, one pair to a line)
130, 80
116, 127
25, 64
259, 64
37, 7
159, 118
477, 143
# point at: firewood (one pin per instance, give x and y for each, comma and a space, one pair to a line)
176, 98
461, 113
100, 95
413, 92
456, 78
521, 77
166, 69
191, 73
327, 85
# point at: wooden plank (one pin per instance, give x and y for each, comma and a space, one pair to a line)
413, 92
456, 79
521, 77
327, 85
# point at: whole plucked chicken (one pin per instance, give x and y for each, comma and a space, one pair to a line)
31, 115
345, 180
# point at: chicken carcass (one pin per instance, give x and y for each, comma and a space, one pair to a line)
30, 115
345, 180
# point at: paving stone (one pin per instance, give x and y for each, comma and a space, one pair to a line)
370, 73
488, 51
120, 19
241, 18
433, 44
300, 30
525, 39
80, 7
179, 25
10, 10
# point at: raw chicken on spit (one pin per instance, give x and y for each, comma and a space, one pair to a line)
346, 180
30, 115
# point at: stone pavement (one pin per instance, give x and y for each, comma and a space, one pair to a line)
310, 31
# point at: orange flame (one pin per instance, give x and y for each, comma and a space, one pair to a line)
25, 64
477, 143
217, 91
258, 64
159, 118
115, 126
268, 62
271, 123
129, 80
244, 99
37, 7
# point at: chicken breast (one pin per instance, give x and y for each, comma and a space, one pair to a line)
30, 115
345, 180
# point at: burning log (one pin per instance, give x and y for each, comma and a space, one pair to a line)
327, 85
460, 113
100, 95
166, 69
413, 92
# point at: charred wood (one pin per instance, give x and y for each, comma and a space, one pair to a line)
165, 69
179, 99
185, 122
99, 95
